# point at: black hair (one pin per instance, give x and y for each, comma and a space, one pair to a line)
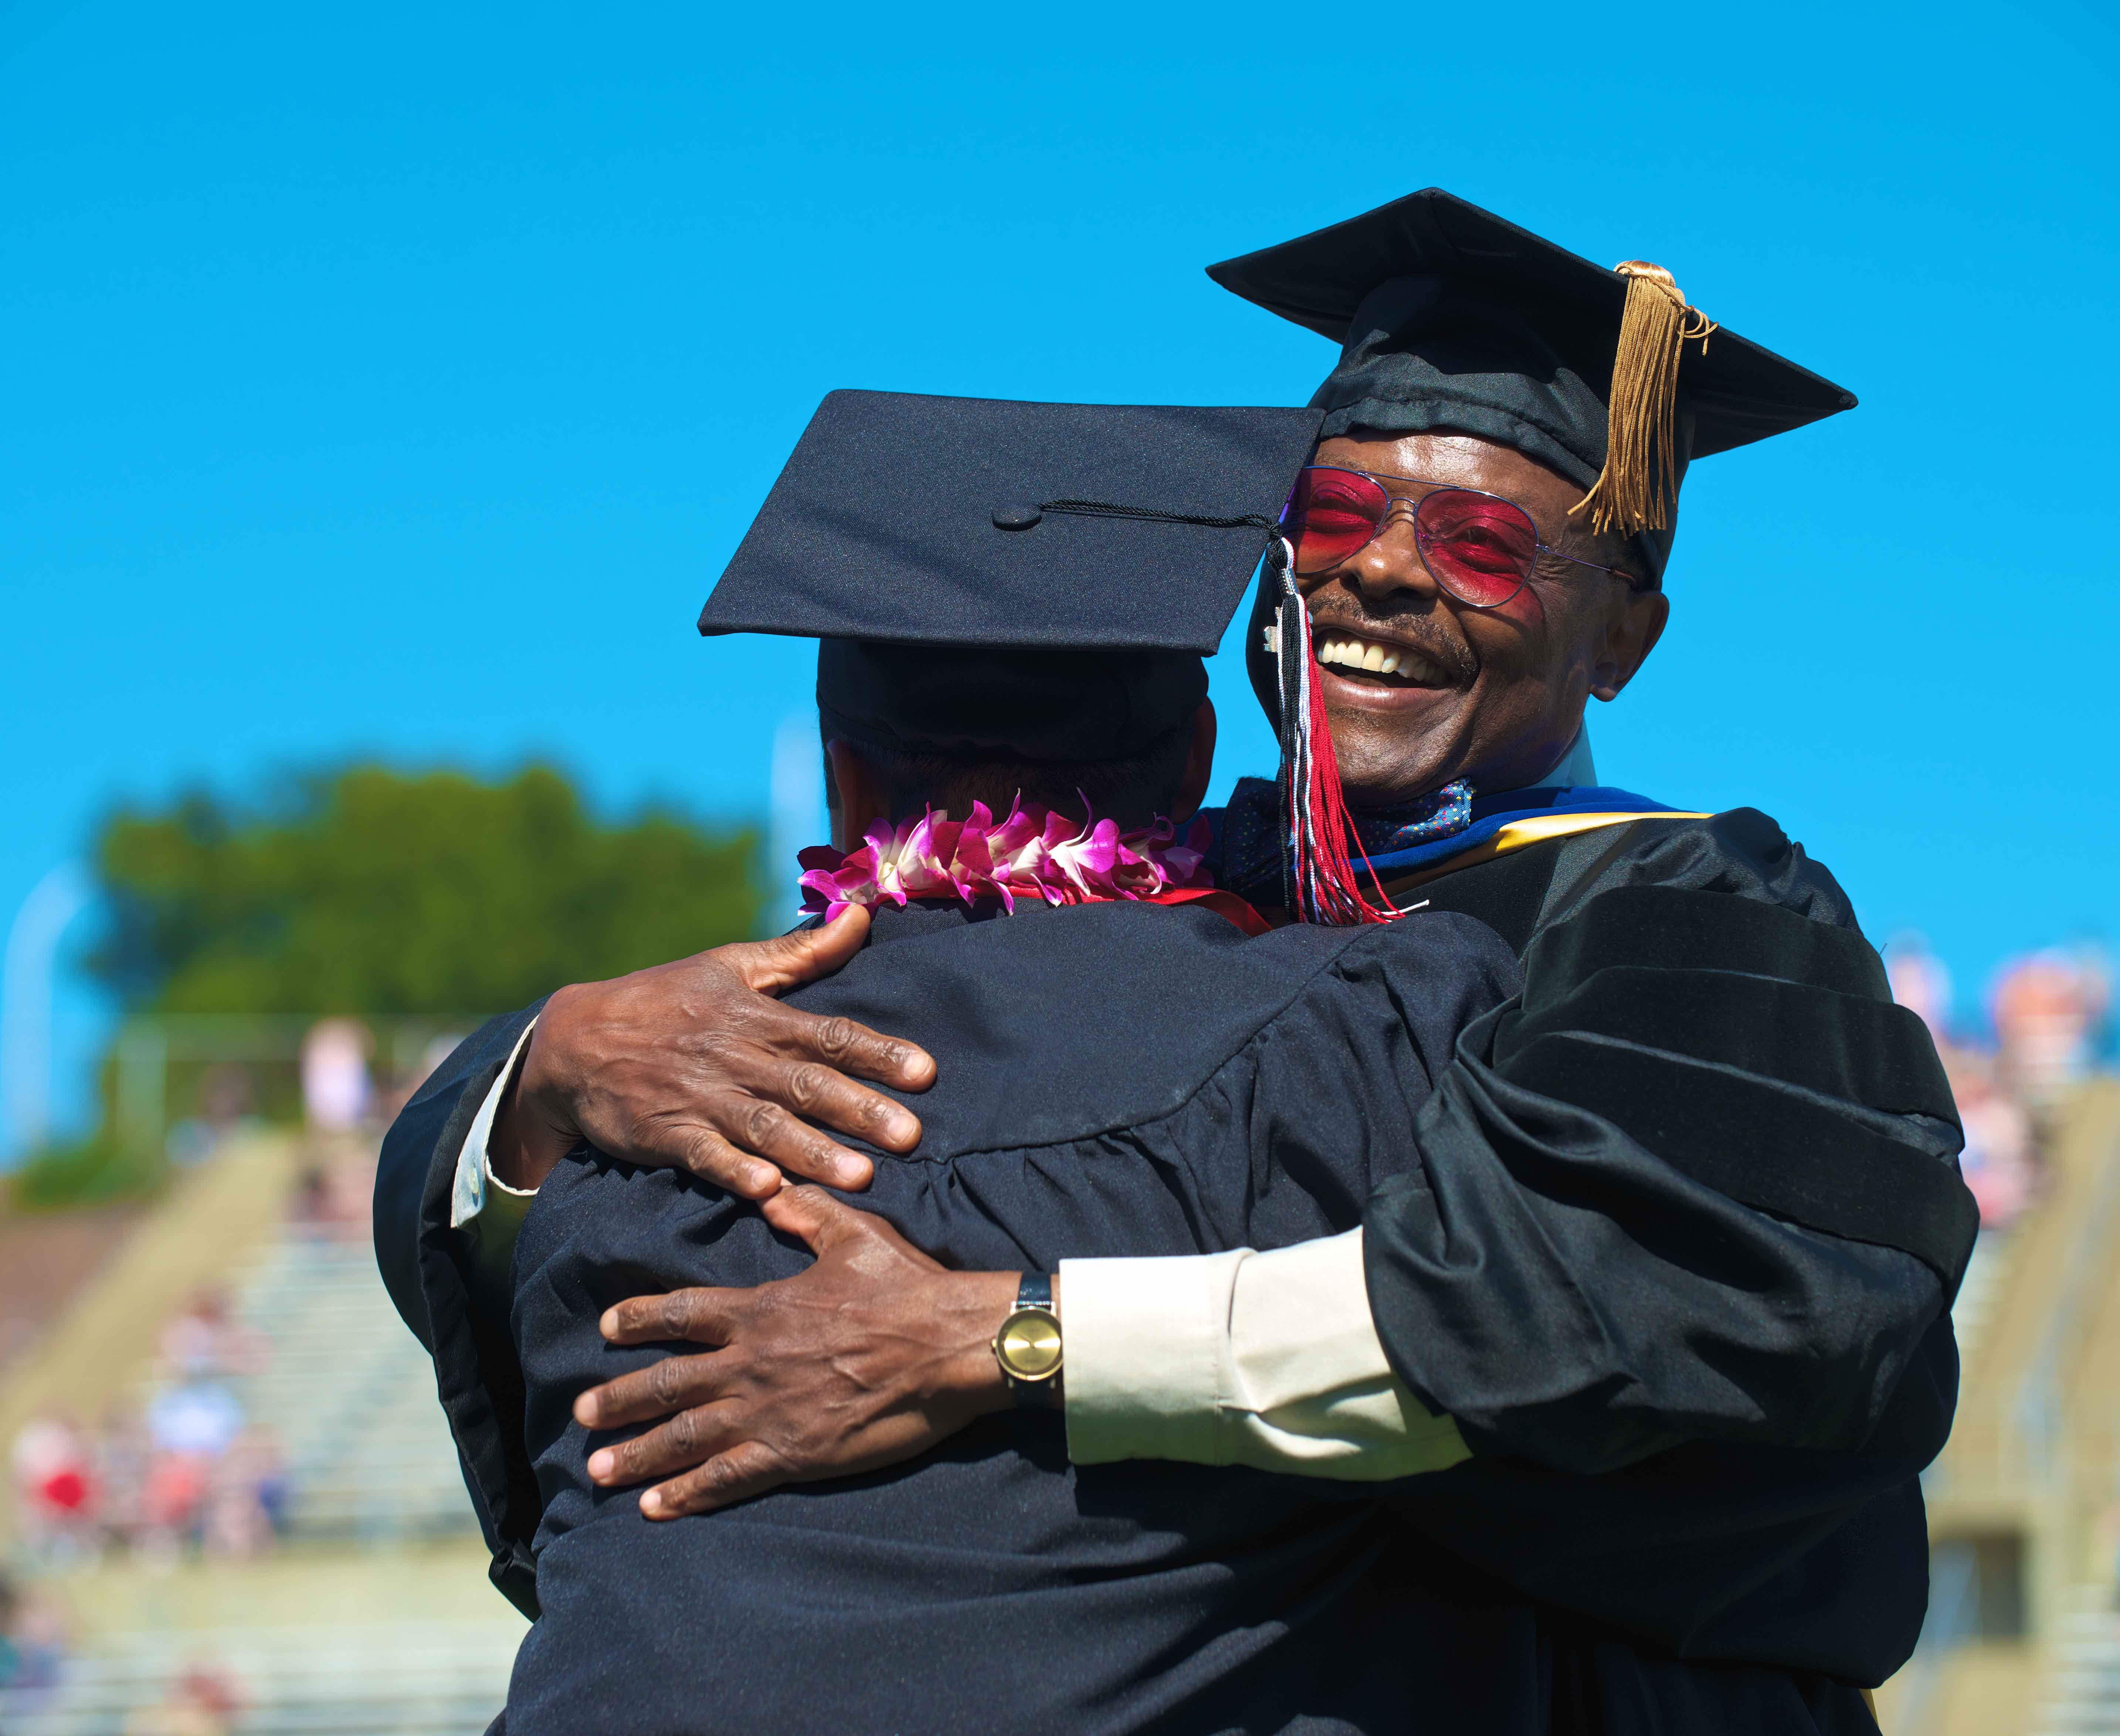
1132, 791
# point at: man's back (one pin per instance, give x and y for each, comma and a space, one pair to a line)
1113, 1078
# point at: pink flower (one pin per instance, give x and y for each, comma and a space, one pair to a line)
1033, 852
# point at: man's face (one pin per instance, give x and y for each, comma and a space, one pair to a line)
1491, 694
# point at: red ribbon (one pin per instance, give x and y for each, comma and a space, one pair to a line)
1226, 905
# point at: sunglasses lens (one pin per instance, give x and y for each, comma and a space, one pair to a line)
1332, 513
1480, 549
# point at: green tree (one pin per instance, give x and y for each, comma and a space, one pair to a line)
370, 891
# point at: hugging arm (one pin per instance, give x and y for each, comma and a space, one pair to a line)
691, 1066
1708, 1143
1750, 1239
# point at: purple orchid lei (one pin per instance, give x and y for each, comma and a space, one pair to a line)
1033, 852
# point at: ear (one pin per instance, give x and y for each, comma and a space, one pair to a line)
1633, 625
857, 796
1199, 765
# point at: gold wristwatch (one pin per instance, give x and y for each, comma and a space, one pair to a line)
1028, 1345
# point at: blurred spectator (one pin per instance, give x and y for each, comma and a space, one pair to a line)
405, 1084
188, 1470
311, 1204
1920, 983
32, 1644
2048, 1009
335, 1088
332, 1202
202, 1701
227, 1100
198, 1420
55, 1489
123, 1457
246, 1491
1999, 1160
203, 1342
189, 1427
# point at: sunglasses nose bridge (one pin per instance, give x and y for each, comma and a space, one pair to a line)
1392, 559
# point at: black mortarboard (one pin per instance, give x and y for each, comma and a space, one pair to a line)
1038, 581
1450, 319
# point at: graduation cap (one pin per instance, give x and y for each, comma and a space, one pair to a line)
1450, 318
1025, 580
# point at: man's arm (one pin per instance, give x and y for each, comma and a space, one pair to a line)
696, 1065
1695, 1183
1708, 1143
704, 1032
1267, 1359
875, 1352
1564, 1283
691, 1066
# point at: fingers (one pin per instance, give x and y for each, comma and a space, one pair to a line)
818, 1219
817, 1091
854, 1048
687, 1439
709, 1156
677, 1396
701, 1315
750, 1467
748, 1129
755, 1122
771, 966
788, 961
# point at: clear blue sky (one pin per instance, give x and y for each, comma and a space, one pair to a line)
394, 380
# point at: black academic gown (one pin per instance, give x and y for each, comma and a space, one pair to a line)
1572, 1579
1679, 1246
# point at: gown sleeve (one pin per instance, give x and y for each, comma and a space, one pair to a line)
1697, 1183
424, 1267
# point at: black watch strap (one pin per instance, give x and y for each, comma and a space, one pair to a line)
1035, 1312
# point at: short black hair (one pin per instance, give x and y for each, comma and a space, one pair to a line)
1132, 791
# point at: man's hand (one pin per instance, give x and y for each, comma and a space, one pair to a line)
871, 1356
694, 1065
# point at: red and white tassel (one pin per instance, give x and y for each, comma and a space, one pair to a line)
1317, 827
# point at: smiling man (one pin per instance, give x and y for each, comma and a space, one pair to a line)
1676, 1250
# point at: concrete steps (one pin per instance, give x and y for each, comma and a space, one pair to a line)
412, 1678
2080, 1690
350, 1396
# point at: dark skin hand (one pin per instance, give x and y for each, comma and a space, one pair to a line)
864, 1359
694, 1065
1497, 696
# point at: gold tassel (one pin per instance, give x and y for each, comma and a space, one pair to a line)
1640, 476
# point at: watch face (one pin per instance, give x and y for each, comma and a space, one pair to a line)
1029, 1345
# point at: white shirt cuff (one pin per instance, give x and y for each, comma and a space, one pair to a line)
1270, 1360
475, 1173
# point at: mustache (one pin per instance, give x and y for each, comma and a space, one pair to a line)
1417, 632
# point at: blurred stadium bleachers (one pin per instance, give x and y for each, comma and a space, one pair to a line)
365, 1611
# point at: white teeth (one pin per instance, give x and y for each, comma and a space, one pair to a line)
1378, 659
